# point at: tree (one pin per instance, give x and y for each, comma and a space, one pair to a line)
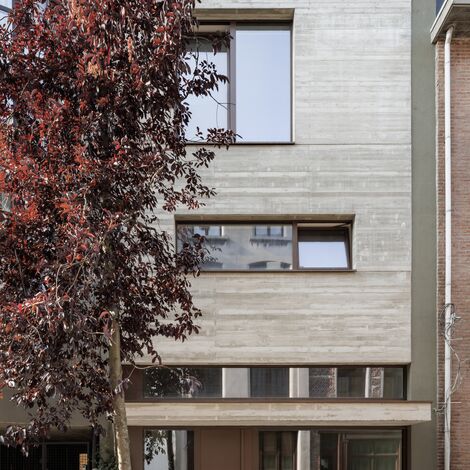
93, 110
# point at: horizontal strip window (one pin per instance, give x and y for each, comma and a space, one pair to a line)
354, 449
356, 382
275, 382
271, 246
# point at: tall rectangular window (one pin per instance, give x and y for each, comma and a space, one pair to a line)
256, 103
5, 7
277, 450
208, 111
168, 450
263, 83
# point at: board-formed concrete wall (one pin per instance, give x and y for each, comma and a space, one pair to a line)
352, 155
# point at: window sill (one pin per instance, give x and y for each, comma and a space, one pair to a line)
272, 400
241, 144
277, 271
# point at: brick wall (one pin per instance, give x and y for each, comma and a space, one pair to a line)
460, 243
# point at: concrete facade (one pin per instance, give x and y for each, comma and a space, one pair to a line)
352, 156
363, 149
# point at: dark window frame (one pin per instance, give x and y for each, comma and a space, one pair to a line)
313, 399
345, 227
278, 435
232, 74
339, 431
360, 433
190, 449
346, 224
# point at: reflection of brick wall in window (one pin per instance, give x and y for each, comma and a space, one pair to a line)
322, 382
314, 450
376, 382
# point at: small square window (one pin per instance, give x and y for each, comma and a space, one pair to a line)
321, 248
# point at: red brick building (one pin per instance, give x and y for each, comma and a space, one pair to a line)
453, 104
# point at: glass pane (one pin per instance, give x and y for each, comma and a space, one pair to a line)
269, 382
377, 451
168, 450
328, 451
323, 248
208, 111
351, 382
208, 230
242, 246
4, 20
263, 83
331, 382
204, 382
288, 446
277, 449
6, 3
393, 383
322, 382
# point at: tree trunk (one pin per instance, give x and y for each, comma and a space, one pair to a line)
121, 433
169, 446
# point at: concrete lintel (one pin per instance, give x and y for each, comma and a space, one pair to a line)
279, 414
244, 14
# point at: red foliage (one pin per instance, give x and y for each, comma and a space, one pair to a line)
92, 124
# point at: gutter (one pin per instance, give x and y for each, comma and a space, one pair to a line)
448, 248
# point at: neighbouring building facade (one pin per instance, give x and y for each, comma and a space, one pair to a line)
317, 347
452, 26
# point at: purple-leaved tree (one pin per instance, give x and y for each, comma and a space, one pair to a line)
93, 113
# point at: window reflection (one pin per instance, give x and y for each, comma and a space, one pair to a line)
168, 450
356, 450
277, 450
209, 111
242, 246
263, 83
269, 382
356, 382
323, 248
176, 382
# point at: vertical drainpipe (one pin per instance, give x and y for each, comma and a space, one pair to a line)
448, 248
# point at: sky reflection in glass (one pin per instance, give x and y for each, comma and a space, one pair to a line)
263, 83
